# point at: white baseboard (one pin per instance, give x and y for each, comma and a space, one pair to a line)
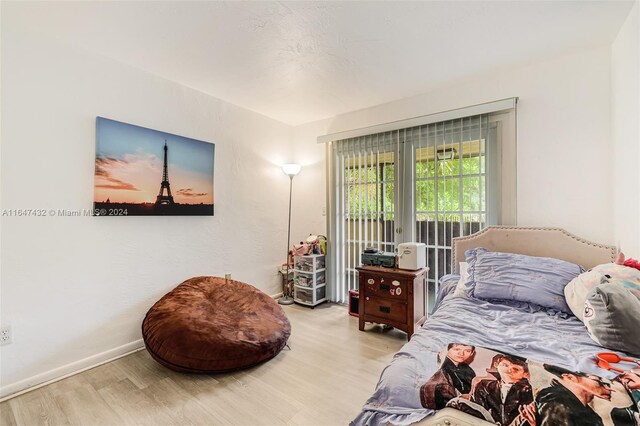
32, 383
23, 386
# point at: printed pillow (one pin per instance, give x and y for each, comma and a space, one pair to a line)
612, 318
461, 288
609, 273
510, 276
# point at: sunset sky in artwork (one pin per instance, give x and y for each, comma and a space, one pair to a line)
129, 162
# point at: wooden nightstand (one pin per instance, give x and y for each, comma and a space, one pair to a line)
392, 296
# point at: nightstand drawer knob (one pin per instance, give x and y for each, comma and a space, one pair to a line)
385, 309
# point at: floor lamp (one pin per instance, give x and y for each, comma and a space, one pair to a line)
290, 170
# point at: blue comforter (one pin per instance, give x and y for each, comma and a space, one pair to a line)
525, 329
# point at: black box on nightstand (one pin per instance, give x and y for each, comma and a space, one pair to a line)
354, 303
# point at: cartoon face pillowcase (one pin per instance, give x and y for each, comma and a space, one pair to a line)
577, 291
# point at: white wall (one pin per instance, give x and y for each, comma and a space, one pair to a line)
564, 142
625, 122
309, 188
75, 289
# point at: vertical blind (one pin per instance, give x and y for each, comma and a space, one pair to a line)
425, 183
366, 176
450, 182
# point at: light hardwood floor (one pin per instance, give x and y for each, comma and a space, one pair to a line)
331, 369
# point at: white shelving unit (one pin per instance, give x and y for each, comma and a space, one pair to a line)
309, 285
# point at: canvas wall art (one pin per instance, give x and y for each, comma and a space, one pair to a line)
145, 172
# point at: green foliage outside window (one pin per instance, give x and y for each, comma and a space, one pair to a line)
370, 190
367, 188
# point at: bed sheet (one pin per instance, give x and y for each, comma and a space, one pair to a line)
529, 330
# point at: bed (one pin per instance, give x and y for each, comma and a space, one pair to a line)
548, 336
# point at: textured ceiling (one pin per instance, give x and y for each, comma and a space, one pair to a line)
302, 61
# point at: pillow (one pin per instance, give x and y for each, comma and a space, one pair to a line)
447, 285
577, 290
612, 318
461, 288
510, 276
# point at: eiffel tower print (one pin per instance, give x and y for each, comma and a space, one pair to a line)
127, 173
164, 200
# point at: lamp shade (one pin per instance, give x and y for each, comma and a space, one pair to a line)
291, 169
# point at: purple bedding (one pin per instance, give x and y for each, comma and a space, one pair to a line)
527, 330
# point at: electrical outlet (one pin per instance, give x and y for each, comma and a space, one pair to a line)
5, 335
227, 276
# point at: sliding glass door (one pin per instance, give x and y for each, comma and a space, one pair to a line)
427, 184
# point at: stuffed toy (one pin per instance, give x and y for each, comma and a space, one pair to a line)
607, 299
624, 273
612, 318
632, 263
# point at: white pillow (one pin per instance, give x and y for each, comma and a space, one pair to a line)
464, 279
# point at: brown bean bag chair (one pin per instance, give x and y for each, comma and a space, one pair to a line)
211, 325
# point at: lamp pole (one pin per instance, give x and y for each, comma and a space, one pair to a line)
290, 170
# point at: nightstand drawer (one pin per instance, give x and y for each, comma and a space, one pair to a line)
378, 286
386, 308
391, 296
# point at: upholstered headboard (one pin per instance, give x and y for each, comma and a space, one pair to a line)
544, 242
